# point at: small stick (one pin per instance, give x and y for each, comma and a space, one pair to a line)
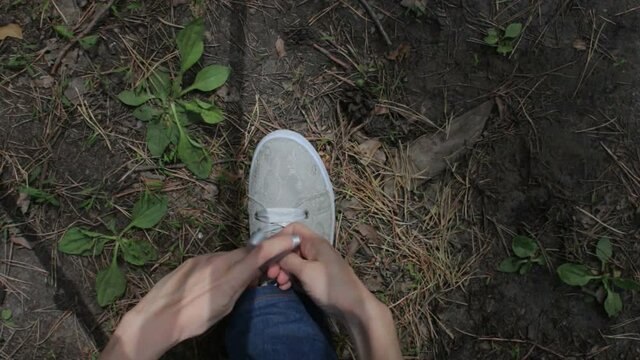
326, 53
376, 21
99, 15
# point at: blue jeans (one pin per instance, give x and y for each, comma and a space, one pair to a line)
268, 323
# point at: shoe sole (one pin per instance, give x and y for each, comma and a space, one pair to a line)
292, 135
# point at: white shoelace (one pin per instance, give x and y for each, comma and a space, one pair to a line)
275, 219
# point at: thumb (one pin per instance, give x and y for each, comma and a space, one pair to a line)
294, 264
245, 270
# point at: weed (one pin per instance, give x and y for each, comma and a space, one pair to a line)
111, 282
160, 102
6, 315
609, 277
39, 196
527, 254
503, 40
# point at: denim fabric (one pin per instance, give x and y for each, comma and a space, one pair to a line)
268, 323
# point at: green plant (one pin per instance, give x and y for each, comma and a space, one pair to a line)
527, 254
160, 102
503, 40
39, 196
6, 315
111, 282
607, 278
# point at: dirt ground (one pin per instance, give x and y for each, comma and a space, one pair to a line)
558, 161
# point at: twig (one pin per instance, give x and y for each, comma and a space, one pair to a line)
376, 21
326, 53
99, 15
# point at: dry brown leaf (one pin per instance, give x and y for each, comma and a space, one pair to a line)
430, 154
380, 156
11, 30
45, 81
370, 233
400, 53
579, 45
23, 202
380, 110
20, 240
280, 47
368, 149
349, 207
354, 246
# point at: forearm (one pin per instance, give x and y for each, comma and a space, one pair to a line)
138, 338
373, 331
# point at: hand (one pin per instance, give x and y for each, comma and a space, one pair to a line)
190, 300
332, 285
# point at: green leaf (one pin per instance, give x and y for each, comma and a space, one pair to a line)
148, 211
604, 250
526, 267
513, 30
210, 114
504, 49
138, 252
39, 196
110, 284
524, 247
196, 159
626, 284
612, 303
77, 241
160, 84
491, 40
209, 78
6, 314
574, 274
64, 31
158, 136
190, 45
88, 42
539, 260
510, 265
130, 98
146, 112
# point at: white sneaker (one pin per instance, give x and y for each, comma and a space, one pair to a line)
289, 183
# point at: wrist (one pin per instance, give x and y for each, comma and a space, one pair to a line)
139, 337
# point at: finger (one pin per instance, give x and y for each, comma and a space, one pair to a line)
312, 245
283, 277
294, 264
273, 271
286, 286
246, 269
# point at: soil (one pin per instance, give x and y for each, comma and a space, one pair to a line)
558, 160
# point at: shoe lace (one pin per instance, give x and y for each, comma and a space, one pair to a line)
274, 220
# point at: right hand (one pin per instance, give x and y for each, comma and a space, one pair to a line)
332, 285
323, 273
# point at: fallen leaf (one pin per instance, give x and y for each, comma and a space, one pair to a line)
373, 283
23, 202
280, 47
20, 240
399, 53
45, 81
380, 110
579, 45
415, 4
369, 233
75, 90
368, 149
380, 156
354, 246
11, 30
350, 207
430, 154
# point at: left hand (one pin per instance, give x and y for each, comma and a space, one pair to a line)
190, 300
